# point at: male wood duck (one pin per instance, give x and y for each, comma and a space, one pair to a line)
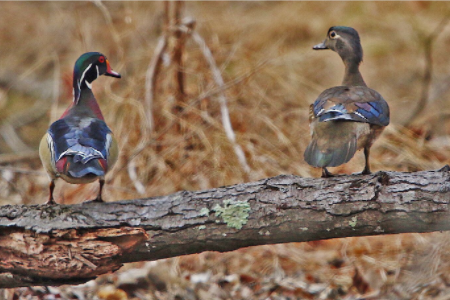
345, 118
80, 147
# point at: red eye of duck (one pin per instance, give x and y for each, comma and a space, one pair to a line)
101, 59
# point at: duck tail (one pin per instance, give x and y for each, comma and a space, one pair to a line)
330, 155
76, 168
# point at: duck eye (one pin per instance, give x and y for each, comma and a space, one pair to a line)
332, 34
101, 59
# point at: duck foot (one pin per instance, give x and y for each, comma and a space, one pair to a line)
366, 171
51, 201
326, 174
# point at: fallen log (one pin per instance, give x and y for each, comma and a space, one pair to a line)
68, 244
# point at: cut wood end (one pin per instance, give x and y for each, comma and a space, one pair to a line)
74, 253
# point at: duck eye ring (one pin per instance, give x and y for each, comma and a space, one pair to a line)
333, 34
101, 59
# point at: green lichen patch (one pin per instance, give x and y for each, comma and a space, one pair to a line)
234, 213
204, 212
352, 223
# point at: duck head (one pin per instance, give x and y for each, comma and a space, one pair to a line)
89, 67
345, 41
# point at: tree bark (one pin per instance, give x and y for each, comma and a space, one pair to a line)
67, 244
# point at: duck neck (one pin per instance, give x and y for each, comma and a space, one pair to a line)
352, 76
88, 103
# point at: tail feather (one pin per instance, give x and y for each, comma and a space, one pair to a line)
333, 116
330, 155
78, 169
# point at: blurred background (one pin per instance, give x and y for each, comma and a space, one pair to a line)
263, 53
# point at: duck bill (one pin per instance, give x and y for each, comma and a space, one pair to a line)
110, 72
320, 46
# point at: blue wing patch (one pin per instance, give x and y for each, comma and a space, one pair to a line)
375, 112
318, 106
84, 139
343, 103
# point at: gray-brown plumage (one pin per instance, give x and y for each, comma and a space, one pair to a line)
345, 118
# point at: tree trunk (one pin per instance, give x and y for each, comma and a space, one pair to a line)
67, 244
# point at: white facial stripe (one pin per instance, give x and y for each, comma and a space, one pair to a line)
82, 75
98, 73
88, 84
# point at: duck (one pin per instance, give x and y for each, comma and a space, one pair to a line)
346, 118
79, 147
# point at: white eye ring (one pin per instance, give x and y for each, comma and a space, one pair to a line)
333, 35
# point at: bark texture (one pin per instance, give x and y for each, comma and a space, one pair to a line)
66, 244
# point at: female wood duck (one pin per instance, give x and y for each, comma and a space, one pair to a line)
345, 118
80, 147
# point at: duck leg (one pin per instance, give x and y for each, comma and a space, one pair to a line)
99, 195
325, 173
51, 188
367, 166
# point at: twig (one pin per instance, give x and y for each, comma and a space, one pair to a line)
56, 78
22, 82
226, 122
8, 128
12, 139
110, 24
140, 188
30, 115
426, 83
166, 16
235, 81
24, 171
34, 113
154, 68
150, 80
191, 103
8, 176
16, 157
177, 58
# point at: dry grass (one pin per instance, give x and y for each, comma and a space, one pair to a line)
264, 51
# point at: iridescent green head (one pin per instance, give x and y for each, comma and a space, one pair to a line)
89, 67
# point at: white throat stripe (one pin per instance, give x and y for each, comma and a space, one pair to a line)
82, 75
